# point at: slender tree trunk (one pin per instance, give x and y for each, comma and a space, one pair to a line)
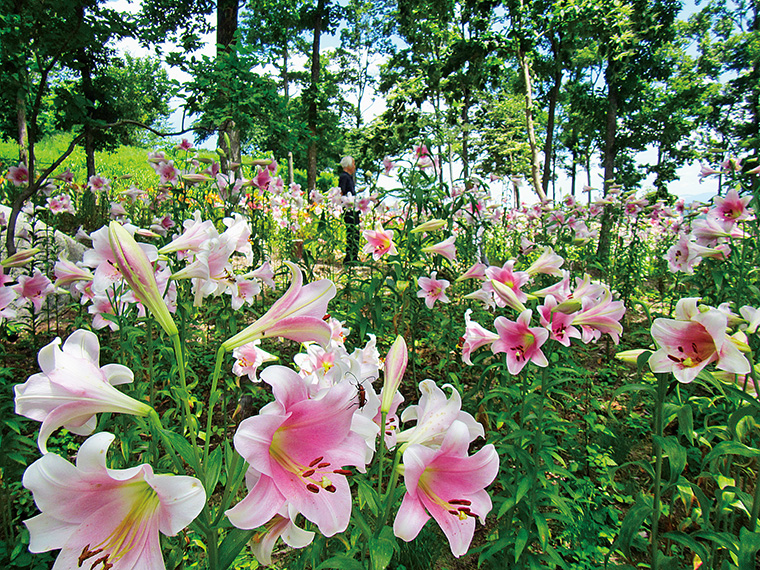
311, 153
535, 167
23, 131
553, 96
89, 132
285, 78
610, 153
226, 26
466, 133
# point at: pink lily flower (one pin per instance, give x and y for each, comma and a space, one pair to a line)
512, 279
379, 242
520, 342
196, 232
694, 340
476, 271
599, 316
448, 485
185, 145
18, 175
67, 273
248, 358
297, 315
475, 336
732, 207
8, 309
112, 517
168, 173
710, 229
281, 525
705, 171
263, 274
297, 448
388, 165
548, 263
99, 183
33, 289
73, 388
446, 249
559, 324
752, 316
434, 415
432, 289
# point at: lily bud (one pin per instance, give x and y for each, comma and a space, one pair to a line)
740, 341
508, 296
19, 258
138, 273
630, 356
429, 226
395, 366
569, 307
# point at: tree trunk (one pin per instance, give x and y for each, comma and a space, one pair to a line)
553, 96
226, 26
89, 132
285, 78
465, 133
311, 153
535, 166
610, 153
23, 132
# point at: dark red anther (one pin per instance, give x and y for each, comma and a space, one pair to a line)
312, 487
330, 488
343, 472
308, 473
321, 465
317, 460
454, 513
460, 502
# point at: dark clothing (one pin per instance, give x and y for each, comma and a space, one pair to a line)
350, 218
346, 184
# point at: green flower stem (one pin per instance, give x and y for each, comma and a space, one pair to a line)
234, 479
662, 387
190, 420
212, 399
158, 429
361, 522
752, 373
389, 495
381, 453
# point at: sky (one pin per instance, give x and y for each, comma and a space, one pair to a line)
687, 186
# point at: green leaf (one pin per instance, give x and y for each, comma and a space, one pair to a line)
543, 529
520, 542
213, 470
688, 541
368, 496
731, 448
341, 562
183, 448
686, 422
676, 455
629, 529
381, 549
749, 544
232, 544
522, 489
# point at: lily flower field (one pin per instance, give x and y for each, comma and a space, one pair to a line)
195, 379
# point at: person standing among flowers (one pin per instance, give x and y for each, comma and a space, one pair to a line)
347, 187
